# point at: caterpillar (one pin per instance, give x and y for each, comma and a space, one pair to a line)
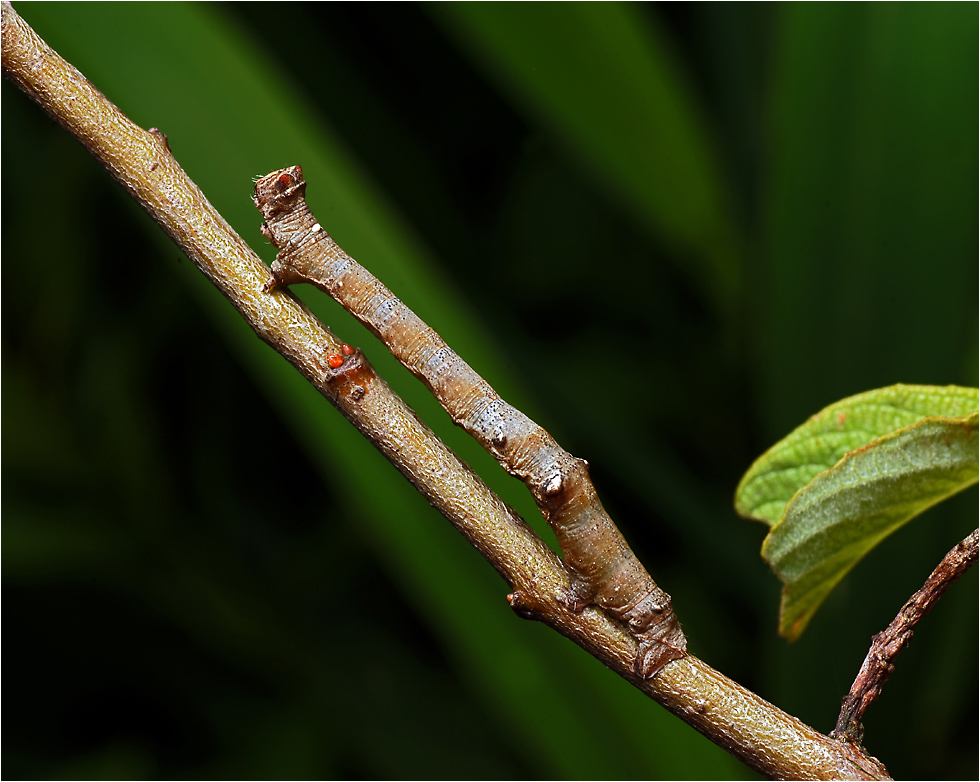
603, 570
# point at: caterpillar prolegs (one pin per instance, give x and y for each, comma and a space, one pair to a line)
603, 570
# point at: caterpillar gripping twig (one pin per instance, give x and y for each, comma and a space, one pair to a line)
603, 570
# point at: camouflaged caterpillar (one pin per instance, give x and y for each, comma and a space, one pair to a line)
603, 569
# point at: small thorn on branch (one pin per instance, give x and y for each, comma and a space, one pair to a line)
886, 645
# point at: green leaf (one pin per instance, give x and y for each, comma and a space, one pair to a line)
821, 442
853, 474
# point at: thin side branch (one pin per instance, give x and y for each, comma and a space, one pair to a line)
763, 736
886, 646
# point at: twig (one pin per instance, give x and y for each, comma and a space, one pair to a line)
885, 647
761, 735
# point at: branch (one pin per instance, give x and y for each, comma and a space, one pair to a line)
886, 646
761, 735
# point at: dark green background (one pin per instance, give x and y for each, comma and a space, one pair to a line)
668, 233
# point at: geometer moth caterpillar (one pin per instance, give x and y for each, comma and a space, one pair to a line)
603, 570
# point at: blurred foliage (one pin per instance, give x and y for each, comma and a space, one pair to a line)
668, 233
